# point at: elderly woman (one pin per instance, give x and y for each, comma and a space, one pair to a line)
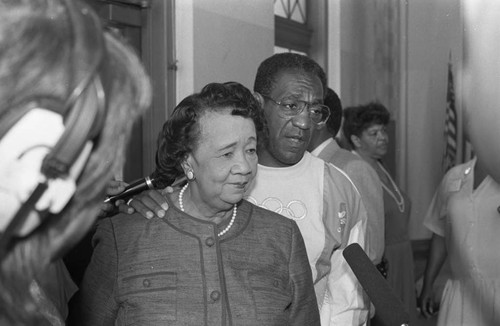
68, 98
365, 128
214, 259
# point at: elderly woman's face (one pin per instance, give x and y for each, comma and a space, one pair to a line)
374, 141
225, 159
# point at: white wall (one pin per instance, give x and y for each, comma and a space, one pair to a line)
429, 30
220, 40
434, 29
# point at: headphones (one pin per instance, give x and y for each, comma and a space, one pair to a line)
45, 142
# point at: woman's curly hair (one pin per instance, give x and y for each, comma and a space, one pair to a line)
181, 132
359, 118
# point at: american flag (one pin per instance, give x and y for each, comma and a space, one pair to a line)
450, 126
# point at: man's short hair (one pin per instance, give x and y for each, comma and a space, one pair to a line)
332, 100
272, 66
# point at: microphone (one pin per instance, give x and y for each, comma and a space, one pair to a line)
389, 308
134, 188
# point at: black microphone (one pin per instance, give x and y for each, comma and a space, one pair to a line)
134, 188
389, 308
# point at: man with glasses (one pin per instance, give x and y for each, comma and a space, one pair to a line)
290, 181
317, 195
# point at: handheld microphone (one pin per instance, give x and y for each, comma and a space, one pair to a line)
388, 306
134, 188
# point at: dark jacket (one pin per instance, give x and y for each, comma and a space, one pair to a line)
176, 271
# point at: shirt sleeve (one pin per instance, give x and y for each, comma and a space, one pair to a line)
345, 302
304, 308
435, 218
96, 303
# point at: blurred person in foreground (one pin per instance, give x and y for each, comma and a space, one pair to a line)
290, 181
465, 221
365, 128
68, 98
214, 259
481, 80
481, 77
324, 145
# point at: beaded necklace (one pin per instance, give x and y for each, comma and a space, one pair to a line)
221, 233
399, 201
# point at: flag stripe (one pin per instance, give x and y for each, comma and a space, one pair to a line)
450, 128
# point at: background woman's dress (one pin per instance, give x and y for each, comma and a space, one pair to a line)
398, 251
399, 254
471, 229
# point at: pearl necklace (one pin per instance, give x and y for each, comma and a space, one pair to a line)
221, 233
401, 201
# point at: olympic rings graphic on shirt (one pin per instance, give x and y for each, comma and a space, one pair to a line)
295, 209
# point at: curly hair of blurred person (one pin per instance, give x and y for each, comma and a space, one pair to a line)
42, 56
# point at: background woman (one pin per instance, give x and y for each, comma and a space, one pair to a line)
214, 259
365, 130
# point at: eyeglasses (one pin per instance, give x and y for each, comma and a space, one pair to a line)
318, 113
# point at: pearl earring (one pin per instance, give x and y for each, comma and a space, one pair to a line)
190, 175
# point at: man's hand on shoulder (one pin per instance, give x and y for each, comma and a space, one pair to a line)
115, 187
150, 203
